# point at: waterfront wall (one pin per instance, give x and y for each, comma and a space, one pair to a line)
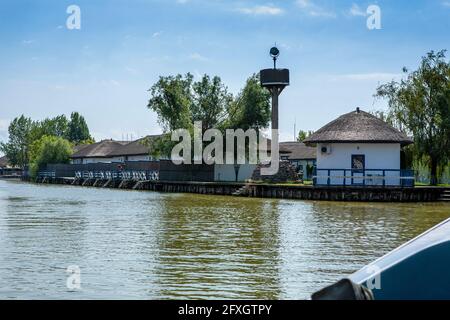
367, 194
373, 194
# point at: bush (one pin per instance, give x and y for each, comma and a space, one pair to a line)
49, 150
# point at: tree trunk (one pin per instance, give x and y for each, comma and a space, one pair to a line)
433, 178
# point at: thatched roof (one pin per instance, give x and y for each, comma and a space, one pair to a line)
101, 149
299, 151
111, 148
134, 148
358, 126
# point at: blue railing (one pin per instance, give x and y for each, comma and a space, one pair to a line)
119, 175
364, 177
47, 174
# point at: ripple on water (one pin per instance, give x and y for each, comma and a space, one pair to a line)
144, 245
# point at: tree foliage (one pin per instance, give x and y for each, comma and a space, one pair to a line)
49, 150
17, 148
420, 105
251, 109
78, 130
179, 101
23, 132
302, 135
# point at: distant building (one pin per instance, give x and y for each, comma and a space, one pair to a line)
6, 169
3, 162
108, 151
301, 156
358, 149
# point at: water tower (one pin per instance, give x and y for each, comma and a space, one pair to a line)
275, 80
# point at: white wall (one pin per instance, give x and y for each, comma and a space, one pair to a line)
96, 160
225, 172
112, 159
139, 158
377, 156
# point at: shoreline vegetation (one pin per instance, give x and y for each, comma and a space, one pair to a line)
418, 106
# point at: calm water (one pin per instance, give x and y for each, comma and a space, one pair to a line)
149, 245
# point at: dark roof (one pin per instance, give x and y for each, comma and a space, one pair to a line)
101, 149
299, 151
133, 148
110, 148
358, 126
268, 147
4, 162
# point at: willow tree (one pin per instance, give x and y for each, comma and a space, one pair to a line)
421, 105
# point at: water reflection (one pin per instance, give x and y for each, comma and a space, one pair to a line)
164, 246
213, 243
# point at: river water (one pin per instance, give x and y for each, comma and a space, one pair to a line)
148, 245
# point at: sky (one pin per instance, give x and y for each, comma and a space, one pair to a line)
104, 69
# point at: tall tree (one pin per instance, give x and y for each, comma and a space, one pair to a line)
179, 101
171, 99
57, 126
210, 101
251, 108
421, 104
78, 130
17, 147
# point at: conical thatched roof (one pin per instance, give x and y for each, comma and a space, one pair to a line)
358, 126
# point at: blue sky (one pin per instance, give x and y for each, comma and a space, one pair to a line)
105, 69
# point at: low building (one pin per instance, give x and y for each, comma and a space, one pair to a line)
6, 169
301, 156
359, 149
108, 151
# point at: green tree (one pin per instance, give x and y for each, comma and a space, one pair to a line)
48, 150
57, 126
179, 101
78, 130
251, 109
171, 99
302, 135
210, 101
17, 147
421, 106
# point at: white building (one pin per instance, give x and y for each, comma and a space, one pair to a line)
358, 149
108, 151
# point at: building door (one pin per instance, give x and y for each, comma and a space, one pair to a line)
358, 167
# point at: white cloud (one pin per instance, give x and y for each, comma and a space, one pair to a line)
262, 10
28, 42
355, 10
446, 4
157, 34
131, 70
313, 10
197, 56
